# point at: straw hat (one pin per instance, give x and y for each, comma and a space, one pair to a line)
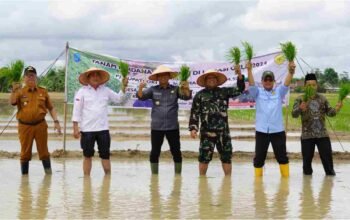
162, 69
83, 78
220, 77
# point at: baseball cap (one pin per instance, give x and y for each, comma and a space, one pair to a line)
268, 73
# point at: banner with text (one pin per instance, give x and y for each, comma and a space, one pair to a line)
79, 61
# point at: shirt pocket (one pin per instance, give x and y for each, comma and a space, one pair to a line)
157, 96
24, 101
89, 100
104, 101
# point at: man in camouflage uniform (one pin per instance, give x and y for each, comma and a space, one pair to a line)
313, 113
210, 107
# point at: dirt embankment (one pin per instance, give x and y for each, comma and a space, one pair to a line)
144, 155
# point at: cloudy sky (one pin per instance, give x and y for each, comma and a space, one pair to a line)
178, 30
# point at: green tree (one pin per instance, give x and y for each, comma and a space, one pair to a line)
9, 74
53, 81
344, 77
331, 76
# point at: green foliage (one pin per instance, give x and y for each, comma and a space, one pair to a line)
344, 78
289, 50
9, 74
330, 76
309, 92
234, 55
54, 80
123, 68
248, 49
344, 91
184, 73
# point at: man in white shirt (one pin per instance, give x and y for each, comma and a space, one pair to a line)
91, 112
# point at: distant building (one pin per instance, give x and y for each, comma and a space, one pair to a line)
298, 83
330, 89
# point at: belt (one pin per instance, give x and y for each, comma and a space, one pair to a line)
30, 123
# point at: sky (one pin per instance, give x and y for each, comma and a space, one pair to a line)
175, 30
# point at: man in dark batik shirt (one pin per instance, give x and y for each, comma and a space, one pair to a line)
210, 107
314, 132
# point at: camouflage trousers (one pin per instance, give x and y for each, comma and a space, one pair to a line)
208, 141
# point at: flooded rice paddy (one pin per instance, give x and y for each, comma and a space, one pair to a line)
132, 192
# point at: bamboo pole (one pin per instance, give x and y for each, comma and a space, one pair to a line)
65, 101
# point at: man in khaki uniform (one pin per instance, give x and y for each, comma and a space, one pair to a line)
33, 103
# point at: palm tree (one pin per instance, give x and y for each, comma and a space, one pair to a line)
9, 74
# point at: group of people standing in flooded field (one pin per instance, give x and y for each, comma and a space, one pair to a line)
208, 117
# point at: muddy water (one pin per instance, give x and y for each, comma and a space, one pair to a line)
145, 145
131, 192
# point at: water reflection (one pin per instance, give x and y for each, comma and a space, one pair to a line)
219, 208
87, 202
155, 198
29, 207
172, 205
279, 202
96, 207
320, 207
104, 202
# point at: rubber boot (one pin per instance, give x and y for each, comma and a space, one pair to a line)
24, 167
284, 168
258, 171
47, 166
154, 168
178, 168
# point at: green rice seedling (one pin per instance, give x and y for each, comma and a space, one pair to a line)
234, 55
184, 73
309, 92
344, 91
289, 50
123, 68
248, 49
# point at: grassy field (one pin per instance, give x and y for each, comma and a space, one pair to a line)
341, 122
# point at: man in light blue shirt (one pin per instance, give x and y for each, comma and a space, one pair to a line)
269, 120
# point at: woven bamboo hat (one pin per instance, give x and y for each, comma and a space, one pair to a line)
83, 78
220, 77
160, 70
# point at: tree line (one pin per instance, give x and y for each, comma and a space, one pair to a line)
53, 80
328, 77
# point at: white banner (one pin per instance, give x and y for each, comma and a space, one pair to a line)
139, 71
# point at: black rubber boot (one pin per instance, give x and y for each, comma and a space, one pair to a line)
178, 168
154, 168
47, 166
24, 167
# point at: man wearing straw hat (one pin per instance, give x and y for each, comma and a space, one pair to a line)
269, 120
91, 113
313, 113
164, 114
210, 108
33, 103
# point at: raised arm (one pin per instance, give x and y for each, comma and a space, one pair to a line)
14, 93
144, 94
184, 91
250, 73
291, 71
